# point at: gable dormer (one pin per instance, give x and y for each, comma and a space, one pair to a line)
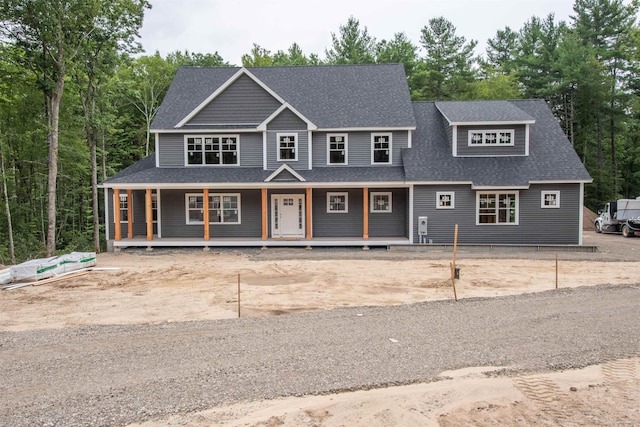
486, 128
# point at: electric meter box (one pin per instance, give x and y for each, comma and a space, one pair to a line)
422, 225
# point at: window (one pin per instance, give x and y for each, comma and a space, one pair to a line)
381, 147
491, 137
154, 207
380, 202
337, 202
124, 208
497, 208
224, 208
287, 146
445, 200
337, 149
550, 199
212, 150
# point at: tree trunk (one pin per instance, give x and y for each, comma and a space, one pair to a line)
12, 253
94, 180
53, 120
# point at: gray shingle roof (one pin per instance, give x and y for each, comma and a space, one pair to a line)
482, 111
333, 96
551, 156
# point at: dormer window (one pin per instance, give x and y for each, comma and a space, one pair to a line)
211, 150
501, 137
287, 146
381, 146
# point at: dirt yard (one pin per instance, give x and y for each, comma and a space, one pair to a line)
183, 285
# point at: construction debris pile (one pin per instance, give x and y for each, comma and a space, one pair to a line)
30, 272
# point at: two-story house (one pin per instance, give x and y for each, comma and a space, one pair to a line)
339, 155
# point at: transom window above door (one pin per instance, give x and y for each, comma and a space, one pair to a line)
287, 146
205, 150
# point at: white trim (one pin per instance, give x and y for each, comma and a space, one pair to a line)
264, 151
338, 193
126, 196
581, 214
411, 214
484, 133
157, 144
294, 149
409, 139
492, 123
296, 196
380, 193
366, 129
563, 182
106, 212
159, 223
277, 172
543, 196
454, 142
489, 188
208, 130
390, 149
346, 149
497, 208
286, 106
526, 140
490, 155
310, 148
205, 205
254, 185
451, 194
220, 136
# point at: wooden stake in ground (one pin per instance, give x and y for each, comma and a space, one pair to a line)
238, 295
453, 264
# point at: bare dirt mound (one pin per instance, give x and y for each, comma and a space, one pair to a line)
589, 218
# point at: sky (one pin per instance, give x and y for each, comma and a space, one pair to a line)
231, 27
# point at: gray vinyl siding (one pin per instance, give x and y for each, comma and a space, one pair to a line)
348, 224
303, 151
390, 224
359, 148
286, 121
518, 149
537, 225
173, 216
139, 215
243, 102
171, 149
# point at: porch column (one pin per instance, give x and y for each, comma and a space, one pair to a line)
309, 233
116, 214
130, 214
264, 214
205, 201
148, 210
365, 212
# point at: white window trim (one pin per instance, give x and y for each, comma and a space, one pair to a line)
373, 137
497, 194
484, 133
543, 196
346, 202
295, 146
380, 193
206, 206
451, 194
154, 195
203, 136
125, 196
346, 149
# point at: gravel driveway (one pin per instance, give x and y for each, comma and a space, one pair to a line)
115, 375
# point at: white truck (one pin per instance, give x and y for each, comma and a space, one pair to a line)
622, 216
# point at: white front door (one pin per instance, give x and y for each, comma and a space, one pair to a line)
287, 215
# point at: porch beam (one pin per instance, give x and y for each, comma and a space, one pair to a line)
130, 214
365, 210
116, 214
264, 213
205, 202
309, 234
148, 210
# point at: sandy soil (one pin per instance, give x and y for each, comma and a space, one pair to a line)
190, 285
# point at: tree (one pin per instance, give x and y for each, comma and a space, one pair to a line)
398, 50
447, 68
259, 57
501, 50
352, 46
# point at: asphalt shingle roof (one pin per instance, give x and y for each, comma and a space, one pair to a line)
482, 111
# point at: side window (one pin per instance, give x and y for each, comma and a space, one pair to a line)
381, 148
445, 200
550, 199
124, 208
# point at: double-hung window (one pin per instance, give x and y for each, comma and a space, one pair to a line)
497, 208
212, 150
491, 137
124, 207
337, 147
287, 146
224, 208
381, 148
338, 202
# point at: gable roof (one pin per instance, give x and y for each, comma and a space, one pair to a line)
330, 97
551, 156
482, 112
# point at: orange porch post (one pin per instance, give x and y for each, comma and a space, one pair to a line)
309, 235
205, 202
264, 214
148, 210
365, 211
116, 214
130, 214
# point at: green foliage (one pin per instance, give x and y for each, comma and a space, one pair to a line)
352, 46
